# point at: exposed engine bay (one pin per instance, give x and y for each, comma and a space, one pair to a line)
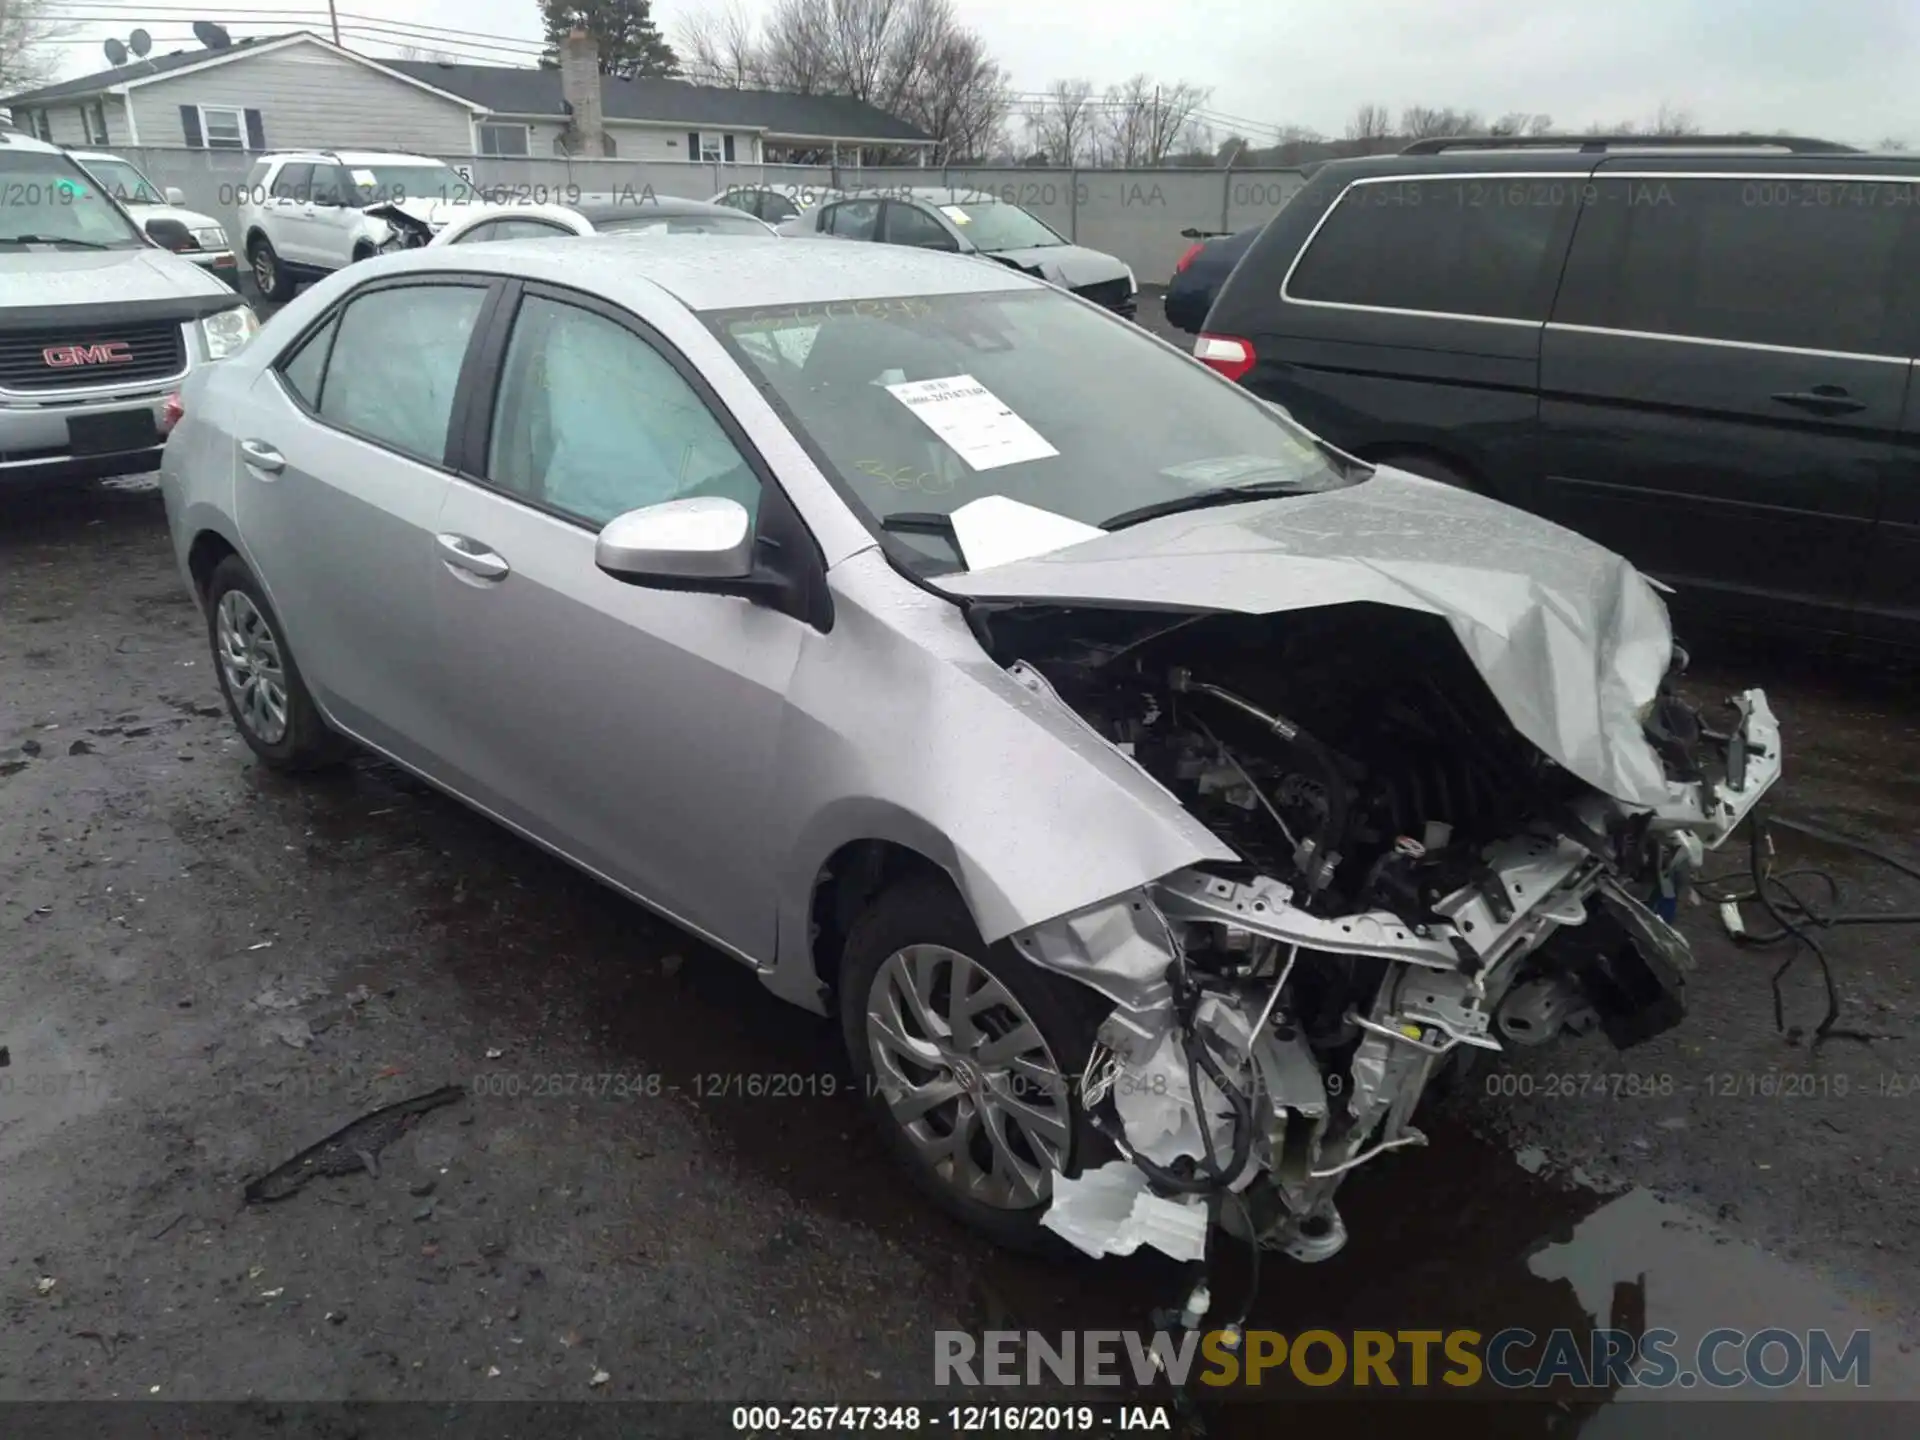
1416, 881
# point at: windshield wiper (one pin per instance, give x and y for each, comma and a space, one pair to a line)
922, 522
1205, 500
52, 240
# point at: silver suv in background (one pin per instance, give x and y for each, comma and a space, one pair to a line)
99, 324
163, 214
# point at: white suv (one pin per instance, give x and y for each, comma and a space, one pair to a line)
307, 213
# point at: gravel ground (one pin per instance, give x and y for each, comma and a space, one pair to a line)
208, 967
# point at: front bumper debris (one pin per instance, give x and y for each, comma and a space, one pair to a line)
1556, 934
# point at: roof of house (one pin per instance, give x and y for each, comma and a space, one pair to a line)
509, 90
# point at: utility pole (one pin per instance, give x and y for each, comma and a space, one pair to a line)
335, 18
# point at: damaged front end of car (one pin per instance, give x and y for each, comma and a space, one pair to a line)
1415, 880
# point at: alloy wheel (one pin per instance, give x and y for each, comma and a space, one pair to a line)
251, 663
967, 1076
263, 269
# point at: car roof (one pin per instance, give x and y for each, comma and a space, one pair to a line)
597, 209
931, 194
721, 272
1572, 159
21, 140
355, 157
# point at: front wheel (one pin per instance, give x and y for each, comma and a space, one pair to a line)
264, 692
270, 277
969, 1057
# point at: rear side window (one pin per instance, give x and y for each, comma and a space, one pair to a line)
395, 363
1813, 265
294, 182
775, 207
853, 219
1456, 246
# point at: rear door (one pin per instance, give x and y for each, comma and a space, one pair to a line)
1722, 383
1410, 322
342, 477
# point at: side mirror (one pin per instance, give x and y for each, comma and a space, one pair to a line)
175, 195
706, 540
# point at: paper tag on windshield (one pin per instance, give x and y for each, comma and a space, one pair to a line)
365, 177
979, 427
956, 214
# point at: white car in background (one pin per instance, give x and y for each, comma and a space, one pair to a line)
307, 213
591, 215
163, 214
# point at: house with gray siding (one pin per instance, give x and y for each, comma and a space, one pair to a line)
301, 91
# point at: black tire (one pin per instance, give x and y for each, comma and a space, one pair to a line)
1429, 470
270, 277
928, 911
306, 742
363, 252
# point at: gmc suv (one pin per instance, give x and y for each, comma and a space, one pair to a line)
99, 324
1697, 352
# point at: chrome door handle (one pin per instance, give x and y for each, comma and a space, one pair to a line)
262, 456
471, 556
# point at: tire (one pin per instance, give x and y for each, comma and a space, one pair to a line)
270, 277
363, 252
1429, 470
921, 927
265, 695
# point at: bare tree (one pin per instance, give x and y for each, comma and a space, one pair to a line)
959, 97
1673, 120
1146, 122
27, 35
1061, 126
1521, 122
720, 47
1419, 122
1891, 142
1370, 129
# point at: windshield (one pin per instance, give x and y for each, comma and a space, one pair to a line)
1035, 397
123, 182
682, 225
390, 184
47, 198
994, 225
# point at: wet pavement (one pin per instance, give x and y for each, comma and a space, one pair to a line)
206, 968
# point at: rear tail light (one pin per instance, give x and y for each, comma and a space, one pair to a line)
171, 411
1232, 357
1187, 259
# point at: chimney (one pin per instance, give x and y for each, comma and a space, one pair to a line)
580, 87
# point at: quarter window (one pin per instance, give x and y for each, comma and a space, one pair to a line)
593, 422
1457, 246
303, 372
1808, 264
395, 363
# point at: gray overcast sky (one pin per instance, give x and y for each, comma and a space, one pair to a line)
1846, 69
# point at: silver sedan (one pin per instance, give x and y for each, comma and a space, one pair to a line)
1159, 797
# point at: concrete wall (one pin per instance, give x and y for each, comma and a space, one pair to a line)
308, 96
1136, 215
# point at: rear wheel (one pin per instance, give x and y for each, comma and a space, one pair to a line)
265, 694
969, 1056
270, 277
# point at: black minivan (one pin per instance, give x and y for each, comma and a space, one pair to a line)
1698, 353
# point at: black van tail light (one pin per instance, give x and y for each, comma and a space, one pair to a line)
1231, 356
1187, 259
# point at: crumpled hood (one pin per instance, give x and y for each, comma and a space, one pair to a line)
1572, 640
35, 279
1068, 266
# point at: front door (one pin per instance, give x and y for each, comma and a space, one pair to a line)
341, 480
634, 730
1722, 384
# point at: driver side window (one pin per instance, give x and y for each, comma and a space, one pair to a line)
592, 421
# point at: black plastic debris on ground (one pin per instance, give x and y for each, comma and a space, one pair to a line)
352, 1147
